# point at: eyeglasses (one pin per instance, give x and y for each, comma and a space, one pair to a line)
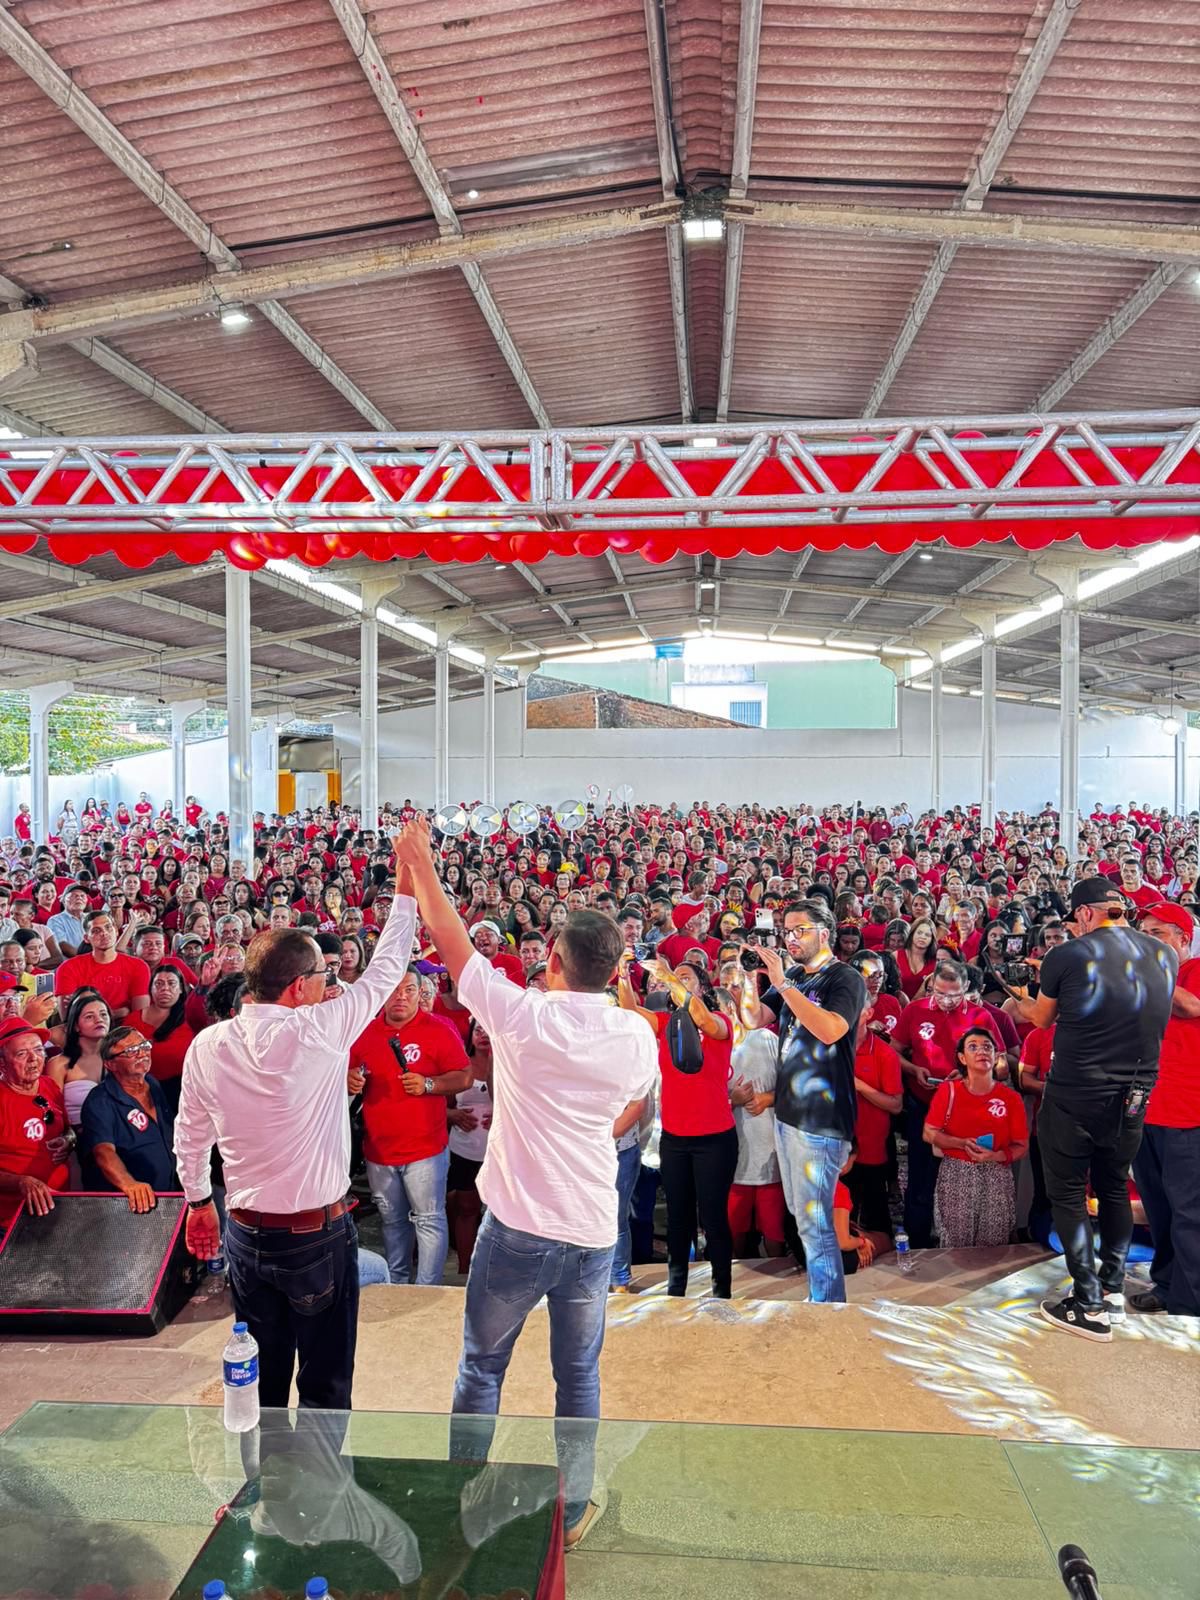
144, 1049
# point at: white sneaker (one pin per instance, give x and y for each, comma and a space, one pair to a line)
1114, 1304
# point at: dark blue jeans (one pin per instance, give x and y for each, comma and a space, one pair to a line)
629, 1165
922, 1175
298, 1292
510, 1272
1167, 1170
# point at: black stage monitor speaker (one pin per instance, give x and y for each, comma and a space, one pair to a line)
93, 1266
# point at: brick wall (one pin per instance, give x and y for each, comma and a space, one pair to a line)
563, 711
601, 708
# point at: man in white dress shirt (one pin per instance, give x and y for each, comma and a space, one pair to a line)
269, 1088
568, 1065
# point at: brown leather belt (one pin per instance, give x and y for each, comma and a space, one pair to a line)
291, 1221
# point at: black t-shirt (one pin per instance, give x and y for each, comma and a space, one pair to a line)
815, 1090
1114, 990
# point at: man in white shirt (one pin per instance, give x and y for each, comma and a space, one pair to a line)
269, 1088
567, 1066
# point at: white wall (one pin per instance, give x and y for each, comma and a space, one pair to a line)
1120, 758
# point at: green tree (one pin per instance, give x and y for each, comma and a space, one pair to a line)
83, 733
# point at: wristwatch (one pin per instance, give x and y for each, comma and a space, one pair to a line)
428, 1085
199, 1205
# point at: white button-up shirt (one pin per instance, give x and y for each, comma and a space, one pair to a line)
269, 1088
565, 1065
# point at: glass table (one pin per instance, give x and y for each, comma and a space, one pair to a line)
150, 1502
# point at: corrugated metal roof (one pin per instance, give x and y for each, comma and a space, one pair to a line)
1004, 324
892, 93
1118, 110
816, 317
1157, 363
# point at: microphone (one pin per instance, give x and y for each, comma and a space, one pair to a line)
1078, 1573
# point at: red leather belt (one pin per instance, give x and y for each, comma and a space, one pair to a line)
291, 1221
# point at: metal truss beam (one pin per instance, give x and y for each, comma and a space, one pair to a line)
379, 76
972, 471
749, 36
59, 87
982, 175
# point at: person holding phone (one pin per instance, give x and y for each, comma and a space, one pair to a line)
979, 1125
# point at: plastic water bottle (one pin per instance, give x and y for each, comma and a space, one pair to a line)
240, 1357
904, 1257
215, 1590
316, 1589
214, 1276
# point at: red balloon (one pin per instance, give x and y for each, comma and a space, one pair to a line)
244, 552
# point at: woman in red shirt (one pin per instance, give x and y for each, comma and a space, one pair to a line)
698, 1149
918, 958
980, 1126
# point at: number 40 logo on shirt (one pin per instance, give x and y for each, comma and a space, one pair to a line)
412, 1054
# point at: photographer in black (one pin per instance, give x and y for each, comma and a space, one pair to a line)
1108, 990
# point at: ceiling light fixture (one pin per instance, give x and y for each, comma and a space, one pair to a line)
704, 444
472, 194
924, 555
234, 318
703, 229
707, 583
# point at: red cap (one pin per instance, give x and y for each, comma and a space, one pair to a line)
12, 1026
684, 912
1178, 916
7, 982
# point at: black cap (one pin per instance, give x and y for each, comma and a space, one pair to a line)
1096, 891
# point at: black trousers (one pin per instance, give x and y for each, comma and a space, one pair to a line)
298, 1292
1167, 1171
868, 1188
923, 1165
1081, 1140
697, 1172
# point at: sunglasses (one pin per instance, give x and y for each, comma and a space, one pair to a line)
45, 1108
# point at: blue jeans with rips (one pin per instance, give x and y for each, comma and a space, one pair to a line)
629, 1165
412, 1207
809, 1164
510, 1273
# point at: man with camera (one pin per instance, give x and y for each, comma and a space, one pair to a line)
1109, 992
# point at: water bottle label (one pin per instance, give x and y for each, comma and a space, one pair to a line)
240, 1373
216, 1264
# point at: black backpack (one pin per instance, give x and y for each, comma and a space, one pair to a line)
684, 1044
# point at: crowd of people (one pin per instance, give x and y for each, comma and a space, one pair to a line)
858, 1016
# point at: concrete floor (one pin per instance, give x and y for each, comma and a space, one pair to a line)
953, 1353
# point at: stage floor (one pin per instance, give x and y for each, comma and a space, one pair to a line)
955, 1349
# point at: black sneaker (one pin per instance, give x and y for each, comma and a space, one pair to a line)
1147, 1304
1072, 1316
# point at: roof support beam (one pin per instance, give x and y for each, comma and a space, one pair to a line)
18, 363
668, 166
379, 75
128, 372
749, 35
22, 48
76, 590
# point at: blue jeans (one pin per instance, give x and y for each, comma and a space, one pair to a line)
510, 1272
412, 1205
809, 1164
1167, 1169
629, 1165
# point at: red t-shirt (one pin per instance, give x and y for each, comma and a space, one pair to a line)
911, 981
887, 1010
24, 1136
1037, 1057
878, 1065
167, 1060
695, 1102
957, 1111
116, 983
1175, 1098
930, 1037
458, 1017
510, 965
400, 1127
841, 1197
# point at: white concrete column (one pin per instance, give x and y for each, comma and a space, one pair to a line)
988, 739
1068, 715
40, 701
237, 699
441, 722
937, 701
1181, 751
368, 781
181, 712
